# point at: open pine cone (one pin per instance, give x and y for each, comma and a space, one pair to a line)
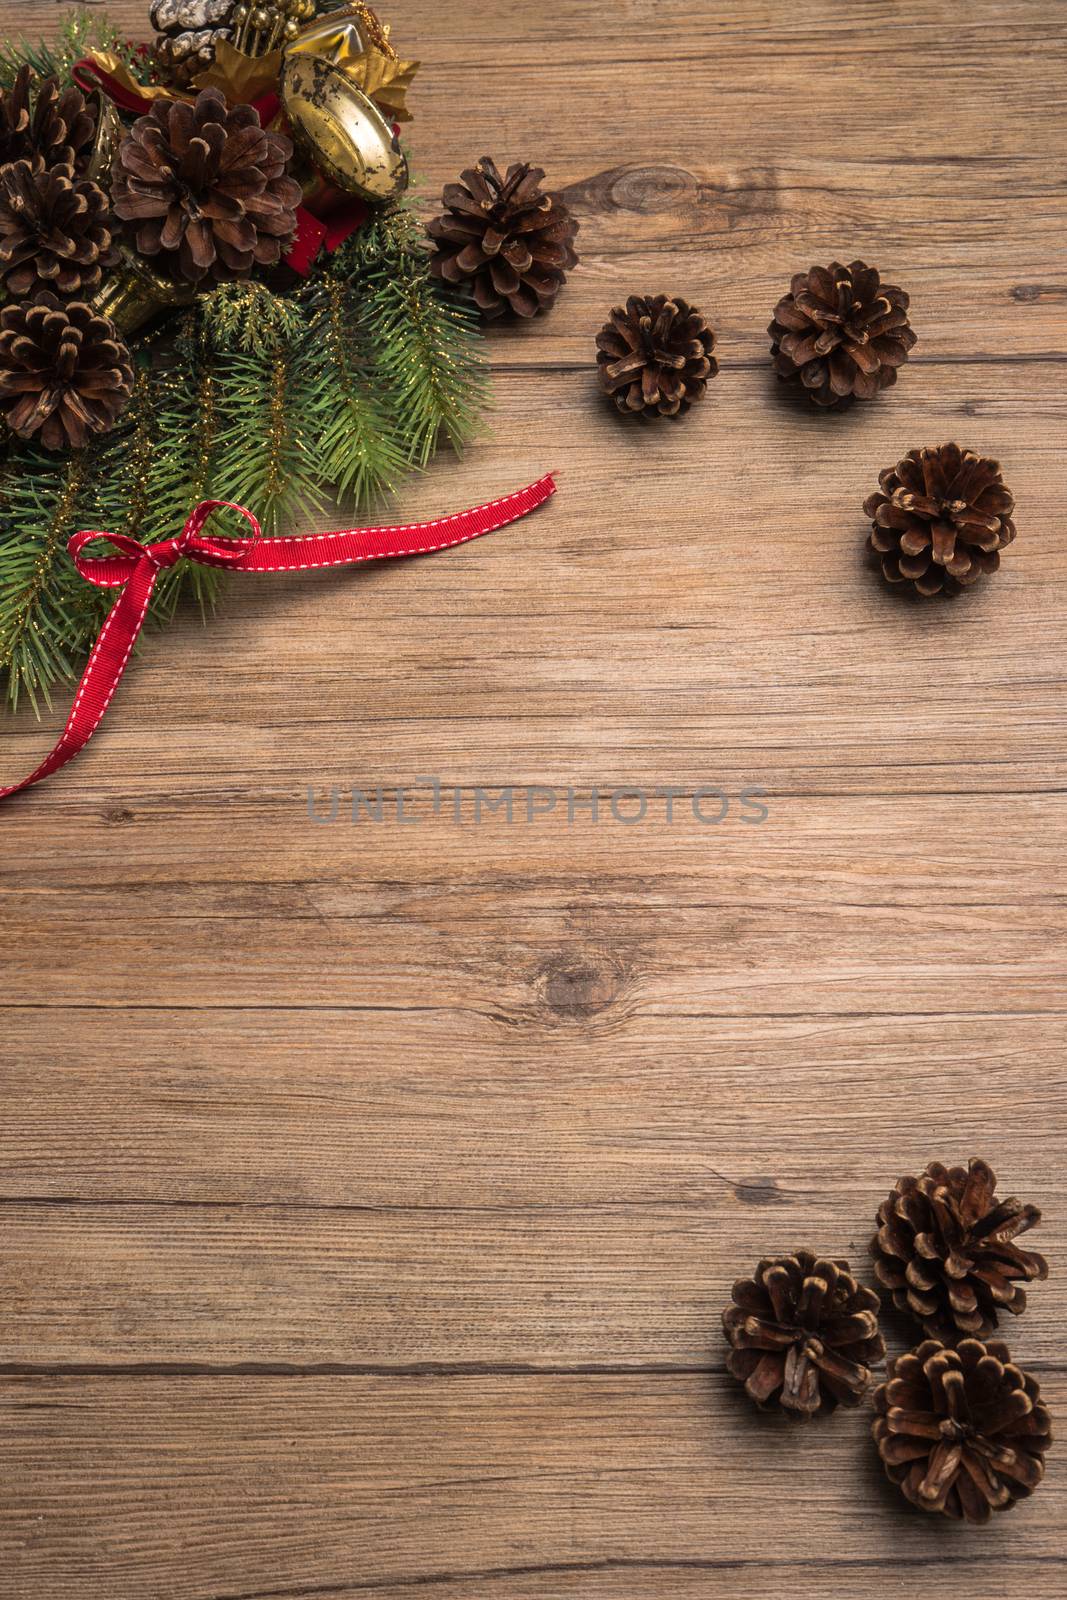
504, 239
57, 129
841, 332
941, 519
204, 190
804, 1332
654, 356
54, 230
187, 33
962, 1432
945, 1251
65, 373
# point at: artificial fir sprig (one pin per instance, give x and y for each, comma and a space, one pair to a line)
45, 610
354, 432
427, 359
81, 30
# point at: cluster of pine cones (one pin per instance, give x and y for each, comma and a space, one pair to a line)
64, 373
839, 335
201, 191
960, 1428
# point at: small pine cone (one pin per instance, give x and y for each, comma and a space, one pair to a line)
654, 356
841, 332
803, 1331
178, 59
65, 373
57, 131
944, 1249
505, 240
961, 1431
54, 231
941, 520
204, 191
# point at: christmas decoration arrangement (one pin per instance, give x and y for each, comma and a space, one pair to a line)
941, 519
213, 285
803, 1333
960, 1429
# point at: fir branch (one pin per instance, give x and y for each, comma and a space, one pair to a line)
42, 598
427, 354
390, 234
355, 438
183, 469
80, 31
266, 457
249, 316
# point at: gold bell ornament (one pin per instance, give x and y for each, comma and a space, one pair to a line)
133, 294
342, 87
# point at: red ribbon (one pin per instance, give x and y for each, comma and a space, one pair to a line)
136, 567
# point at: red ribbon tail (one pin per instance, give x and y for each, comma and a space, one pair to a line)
102, 675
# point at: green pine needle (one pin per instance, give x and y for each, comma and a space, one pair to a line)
80, 31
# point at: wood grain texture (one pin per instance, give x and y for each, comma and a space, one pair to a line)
369, 1193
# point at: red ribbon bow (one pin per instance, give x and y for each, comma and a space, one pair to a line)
135, 568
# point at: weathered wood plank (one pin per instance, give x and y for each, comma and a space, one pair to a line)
202, 1489
583, 1102
569, 1284
956, 917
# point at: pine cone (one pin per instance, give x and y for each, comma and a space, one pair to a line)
183, 57
654, 356
60, 130
944, 1250
187, 32
961, 1431
204, 189
504, 239
941, 520
803, 1329
65, 373
54, 230
841, 332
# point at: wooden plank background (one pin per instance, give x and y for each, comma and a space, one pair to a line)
369, 1194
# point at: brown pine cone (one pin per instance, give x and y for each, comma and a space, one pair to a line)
944, 1250
941, 520
180, 59
204, 191
841, 332
58, 132
54, 230
505, 240
803, 1331
961, 1431
187, 32
65, 373
654, 356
